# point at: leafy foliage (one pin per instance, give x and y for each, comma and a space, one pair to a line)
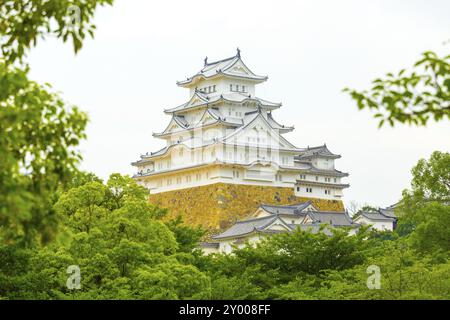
39, 132
38, 136
120, 244
431, 178
410, 97
23, 22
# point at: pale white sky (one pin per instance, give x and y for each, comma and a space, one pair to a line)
310, 50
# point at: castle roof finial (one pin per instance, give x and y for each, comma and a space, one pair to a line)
238, 52
206, 60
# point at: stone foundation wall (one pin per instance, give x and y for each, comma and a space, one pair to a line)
218, 206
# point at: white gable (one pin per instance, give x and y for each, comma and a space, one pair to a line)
239, 69
206, 119
260, 213
278, 225
173, 127
258, 132
310, 207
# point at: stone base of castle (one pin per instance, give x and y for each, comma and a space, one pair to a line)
218, 206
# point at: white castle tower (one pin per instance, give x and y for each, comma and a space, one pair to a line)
226, 134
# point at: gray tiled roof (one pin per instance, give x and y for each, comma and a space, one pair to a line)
337, 219
320, 151
376, 216
388, 213
331, 172
290, 209
223, 66
274, 124
242, 228
234, 97
246, 226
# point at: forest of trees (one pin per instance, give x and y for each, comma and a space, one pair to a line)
52, 216
125, 249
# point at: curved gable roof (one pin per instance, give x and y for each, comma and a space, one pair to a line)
222, 67
245, 227
176, 120
316, 152
234, 97
289, 209
253, 116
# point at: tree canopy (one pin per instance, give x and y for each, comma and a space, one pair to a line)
39, 130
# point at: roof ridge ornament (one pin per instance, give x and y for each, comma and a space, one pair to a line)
206, 60
238, 52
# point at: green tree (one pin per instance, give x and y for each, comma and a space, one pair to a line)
38, 130
410, 97
123, 248
37, 140
430, 183
172, 280
187, 237
304, 251
432, 233
23, 22
431, 178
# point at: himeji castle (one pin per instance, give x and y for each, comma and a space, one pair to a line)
225, 152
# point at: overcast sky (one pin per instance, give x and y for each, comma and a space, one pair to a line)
310, 50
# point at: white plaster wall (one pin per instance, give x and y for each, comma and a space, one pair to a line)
318, 192
170, 181
209, 250
323, 163
223, 86
377, 225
